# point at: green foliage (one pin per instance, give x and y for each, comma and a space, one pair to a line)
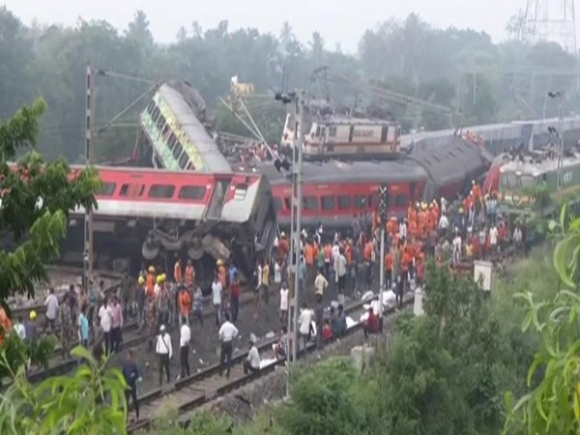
89, 402
325, 401
552, 402
36, 200
407, 56
18, 352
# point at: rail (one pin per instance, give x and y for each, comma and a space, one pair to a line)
207, 396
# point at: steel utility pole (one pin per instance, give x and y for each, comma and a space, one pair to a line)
88, 233
297, 177
560, 96
383, 193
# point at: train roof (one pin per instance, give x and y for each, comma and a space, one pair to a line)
350, 120
201, 140
535, 167
349, 172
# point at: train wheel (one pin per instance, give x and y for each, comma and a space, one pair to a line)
195, 253
149, 252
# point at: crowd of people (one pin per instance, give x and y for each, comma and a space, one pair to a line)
451, 231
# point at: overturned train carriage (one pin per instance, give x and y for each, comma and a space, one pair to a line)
154, 216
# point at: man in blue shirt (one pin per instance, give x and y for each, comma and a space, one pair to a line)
131, 375
83, 324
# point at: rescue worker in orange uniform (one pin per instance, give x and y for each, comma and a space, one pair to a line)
150, 284
389, 262
189, 275
177, 273
283, 248
221, 271
5, 325
184, 303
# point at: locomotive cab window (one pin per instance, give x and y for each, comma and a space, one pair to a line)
161, 191
107, 189
192, 192
327, 202
343, 202
310, 203
240, 192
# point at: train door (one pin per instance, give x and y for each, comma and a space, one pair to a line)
218, 197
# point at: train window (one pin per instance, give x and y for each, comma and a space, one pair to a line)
332, 131
277, 204
172, 140
401, 200
192, 192
166, 132
183, 160
287, 203
310, 203
435, 158
155, 114
360, 201
160, 122
132, 190
107, 189
190, 167
327, 203
150, 107
161, 191
343, 202
240, 192
177, 150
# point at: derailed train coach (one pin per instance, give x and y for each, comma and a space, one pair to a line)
504, 137
155, 216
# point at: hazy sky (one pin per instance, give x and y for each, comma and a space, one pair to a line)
342, 21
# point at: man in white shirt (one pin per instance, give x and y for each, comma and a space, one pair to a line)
51, 303
304, 321
341, 271
493, 234
20, 329
443, 225
184, 339
320, 283
165, 352
227, 334
106, 318
216, 296
252, 362
284, 303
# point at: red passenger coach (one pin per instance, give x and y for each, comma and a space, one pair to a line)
334, 191
192, 215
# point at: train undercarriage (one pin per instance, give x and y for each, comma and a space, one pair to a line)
132, 244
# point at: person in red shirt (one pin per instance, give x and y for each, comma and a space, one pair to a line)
326, 330
371, 325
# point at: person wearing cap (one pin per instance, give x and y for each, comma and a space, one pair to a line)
150, 280
162, 300
252, 362
31, 328
165, 352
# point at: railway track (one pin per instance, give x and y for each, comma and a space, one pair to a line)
203, 387
131, 338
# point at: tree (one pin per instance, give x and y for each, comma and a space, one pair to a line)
552, 402
90, 402
36, 200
